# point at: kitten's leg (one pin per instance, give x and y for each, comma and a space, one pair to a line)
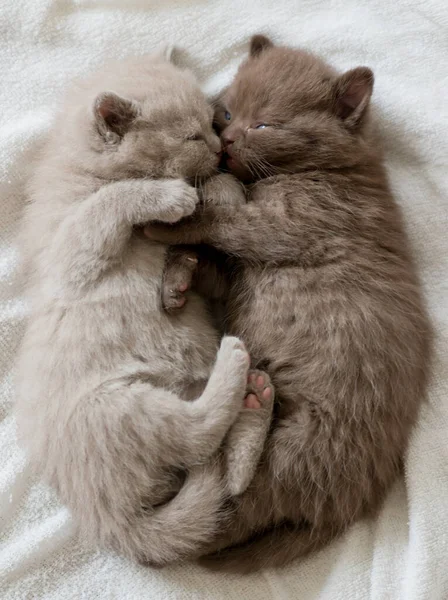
222, 195
199, 267
211, 278
188, 433
181, 264
245, 442
220, 403
97, 232
257, 230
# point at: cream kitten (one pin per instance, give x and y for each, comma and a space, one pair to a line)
103, 372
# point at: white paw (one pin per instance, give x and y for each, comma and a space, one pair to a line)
182, 200
233, 352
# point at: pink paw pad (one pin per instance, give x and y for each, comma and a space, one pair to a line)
259, 390
251, 401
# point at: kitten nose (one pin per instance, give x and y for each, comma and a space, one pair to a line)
227, 139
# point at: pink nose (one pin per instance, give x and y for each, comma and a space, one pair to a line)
227, 139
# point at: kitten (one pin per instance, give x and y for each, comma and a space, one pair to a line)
326, 299
103, 372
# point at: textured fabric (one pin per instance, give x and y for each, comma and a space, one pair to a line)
43, 45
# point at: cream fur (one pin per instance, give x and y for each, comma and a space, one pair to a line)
103, 372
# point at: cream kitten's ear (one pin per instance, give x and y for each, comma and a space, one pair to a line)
259, 43
166, 52
352, 95
113, 115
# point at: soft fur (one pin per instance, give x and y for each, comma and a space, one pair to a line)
326, 299
103, 372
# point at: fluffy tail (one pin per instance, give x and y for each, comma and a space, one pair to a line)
181, 528
107, 466
118, 449
275, 548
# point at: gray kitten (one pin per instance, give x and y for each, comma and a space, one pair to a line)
325, 296
103, 372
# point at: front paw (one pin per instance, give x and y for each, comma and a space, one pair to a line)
181, 201
223, 190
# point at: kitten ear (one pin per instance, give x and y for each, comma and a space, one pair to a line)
352, 95
258, 43
113, 115
166, 52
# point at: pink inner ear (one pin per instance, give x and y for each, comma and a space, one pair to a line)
355, 88
356, 91
106, 108
114, 112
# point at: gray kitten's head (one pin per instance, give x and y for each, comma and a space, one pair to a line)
142, 117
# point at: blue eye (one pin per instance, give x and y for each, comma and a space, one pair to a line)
261, 126
227, 116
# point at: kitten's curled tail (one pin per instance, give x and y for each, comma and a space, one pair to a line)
112, 516
118, 450
109, 501
275, 548
180, 528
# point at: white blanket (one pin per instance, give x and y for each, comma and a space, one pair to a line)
44, 44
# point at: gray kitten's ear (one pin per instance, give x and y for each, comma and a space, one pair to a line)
352, 95
258, 43
113, 115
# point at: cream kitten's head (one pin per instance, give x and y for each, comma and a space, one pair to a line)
142, 117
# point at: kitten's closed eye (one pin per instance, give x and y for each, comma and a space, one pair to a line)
196, 137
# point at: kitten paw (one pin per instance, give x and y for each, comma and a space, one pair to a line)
182, 200
178, 281
260, 391
233, 352
223, 190
245, 442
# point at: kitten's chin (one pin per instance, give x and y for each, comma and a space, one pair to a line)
237, 169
